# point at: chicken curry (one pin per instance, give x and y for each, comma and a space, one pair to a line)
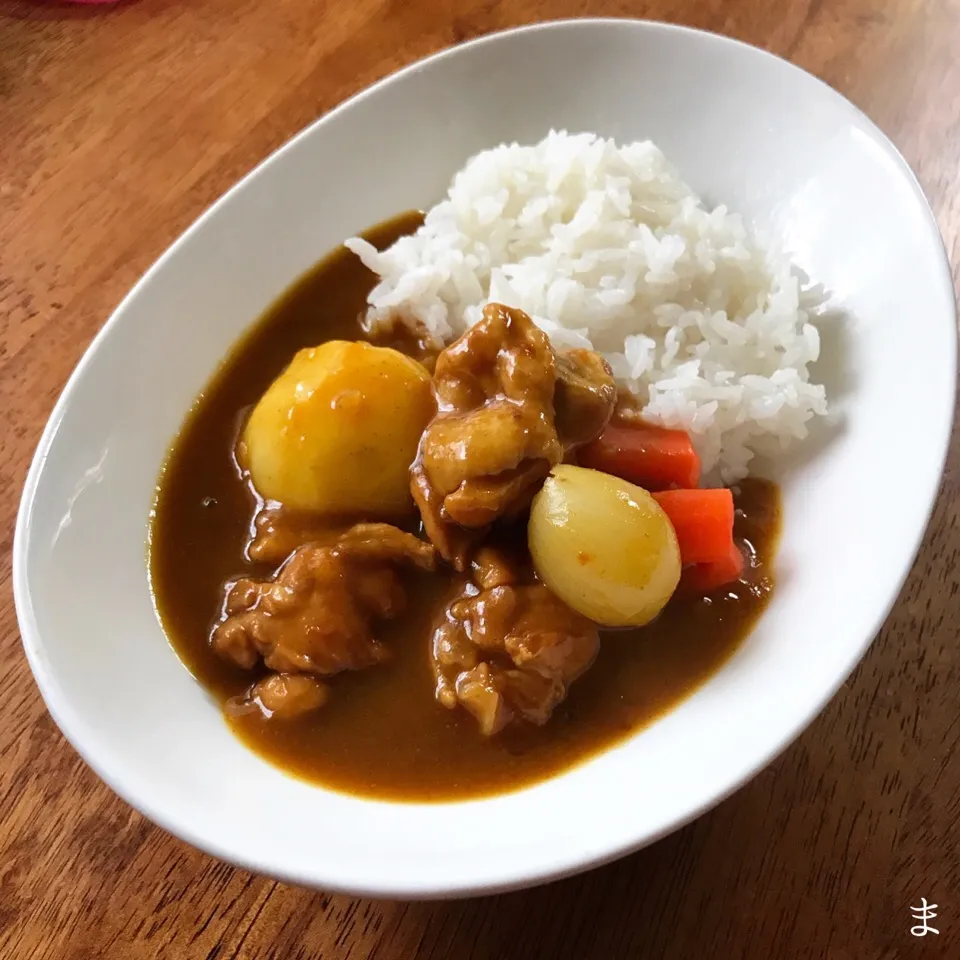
420, 571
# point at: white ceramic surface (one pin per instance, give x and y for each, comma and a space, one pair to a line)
746, 129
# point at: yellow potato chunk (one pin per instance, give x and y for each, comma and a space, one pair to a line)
337, 431
603, 546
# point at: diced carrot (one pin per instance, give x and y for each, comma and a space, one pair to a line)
651, 457
703, 521
705, 577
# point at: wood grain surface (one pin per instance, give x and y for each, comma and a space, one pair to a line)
118, 126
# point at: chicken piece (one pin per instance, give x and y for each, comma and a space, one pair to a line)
311, 618
316, 615
505, 354
278, 531
381, 541
493, 568
452, 541
508, 409
585, 397
493, 438
481, 501
281, 695
508, 651
486, 442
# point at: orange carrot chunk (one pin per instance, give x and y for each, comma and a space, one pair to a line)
703, 521
706, 577
651, 457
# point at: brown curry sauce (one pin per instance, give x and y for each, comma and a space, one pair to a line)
382, 734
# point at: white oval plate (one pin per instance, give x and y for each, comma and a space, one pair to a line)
746, 129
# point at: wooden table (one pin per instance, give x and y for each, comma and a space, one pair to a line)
118, 126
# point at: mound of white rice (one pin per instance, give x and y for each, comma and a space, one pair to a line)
606, 247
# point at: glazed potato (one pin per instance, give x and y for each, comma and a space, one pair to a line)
603, 546
337, 431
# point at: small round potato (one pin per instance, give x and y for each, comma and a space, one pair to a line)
337, 431
603, 546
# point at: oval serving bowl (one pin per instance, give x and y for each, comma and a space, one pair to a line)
802, 165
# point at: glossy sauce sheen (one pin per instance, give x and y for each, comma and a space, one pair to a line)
382, 733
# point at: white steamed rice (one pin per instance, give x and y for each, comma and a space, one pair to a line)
606, 247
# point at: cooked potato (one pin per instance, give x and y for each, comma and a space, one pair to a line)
337, 431
603, 546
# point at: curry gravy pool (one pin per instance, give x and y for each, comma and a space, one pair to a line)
382, 733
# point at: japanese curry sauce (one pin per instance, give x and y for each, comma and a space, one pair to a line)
382, 733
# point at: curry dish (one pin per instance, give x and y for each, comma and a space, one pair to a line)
418, 571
